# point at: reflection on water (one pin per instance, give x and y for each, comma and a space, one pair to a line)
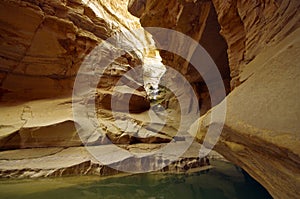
224, 181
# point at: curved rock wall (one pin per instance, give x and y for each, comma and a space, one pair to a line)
46, 42
42, 46
43, 43
261, 132
249, 27
196, 19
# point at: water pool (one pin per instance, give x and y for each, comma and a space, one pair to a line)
223, 181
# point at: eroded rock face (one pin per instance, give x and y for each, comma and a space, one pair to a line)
43, 44
261, 132
78, 161
42, 123
198, 20
249, 27
46, 42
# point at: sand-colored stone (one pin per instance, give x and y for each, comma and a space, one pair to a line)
261, 132
42, 123
262, 123
251, 26
78, 161
43, 44
198, 20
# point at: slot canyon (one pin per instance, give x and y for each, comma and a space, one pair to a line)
254, 45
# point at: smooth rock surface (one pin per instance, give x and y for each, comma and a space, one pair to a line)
261, 132
43, 43
249, 27
42, 46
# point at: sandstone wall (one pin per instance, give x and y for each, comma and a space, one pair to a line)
42, 46
261, 132
249, 27
46, 42
198, 20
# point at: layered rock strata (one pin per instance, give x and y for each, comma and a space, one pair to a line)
30, 163
260, 134
43, 45
198, 20
261, 127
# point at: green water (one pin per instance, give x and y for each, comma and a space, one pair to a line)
223, 181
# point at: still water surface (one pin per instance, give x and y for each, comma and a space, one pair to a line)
225, 181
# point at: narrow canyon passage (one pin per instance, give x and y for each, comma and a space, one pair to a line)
260, 134
65, 103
